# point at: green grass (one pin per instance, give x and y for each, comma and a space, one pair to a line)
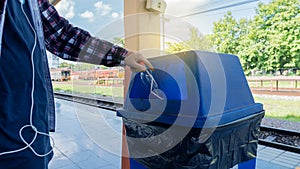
280, 108
275, 108
281, 84
89, 87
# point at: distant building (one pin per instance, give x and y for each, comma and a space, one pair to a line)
53, 60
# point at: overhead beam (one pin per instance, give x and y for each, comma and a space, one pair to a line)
54, 2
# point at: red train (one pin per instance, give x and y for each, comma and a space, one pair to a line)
100, 74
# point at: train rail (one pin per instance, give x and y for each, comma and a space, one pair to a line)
287, 140
107, 104
283, 139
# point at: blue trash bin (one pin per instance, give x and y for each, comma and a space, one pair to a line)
198, 113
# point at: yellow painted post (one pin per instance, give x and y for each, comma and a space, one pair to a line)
142, 32
54, 2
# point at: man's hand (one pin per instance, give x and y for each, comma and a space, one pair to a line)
137, 62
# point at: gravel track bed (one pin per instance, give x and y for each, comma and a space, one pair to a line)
284, 124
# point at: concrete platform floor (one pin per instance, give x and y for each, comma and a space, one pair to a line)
89, 138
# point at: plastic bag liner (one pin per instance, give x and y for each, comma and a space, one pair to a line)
230, 144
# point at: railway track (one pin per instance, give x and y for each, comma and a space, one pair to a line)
283, 139
287, 140
102, 103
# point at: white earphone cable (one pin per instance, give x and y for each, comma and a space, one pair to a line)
28, 145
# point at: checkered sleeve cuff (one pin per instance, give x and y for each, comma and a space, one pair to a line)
102, 52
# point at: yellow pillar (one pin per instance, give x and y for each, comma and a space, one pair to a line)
54, 2
142, 34
142, 28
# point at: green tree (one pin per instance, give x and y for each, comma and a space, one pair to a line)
84, 67
278, 25
275, 35
270, 41
119, 41
175, 47
231, 36
197, 41
66, 65
227, 34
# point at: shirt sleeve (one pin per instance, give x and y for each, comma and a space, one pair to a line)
75, 44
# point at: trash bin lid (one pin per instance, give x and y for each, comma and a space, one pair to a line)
198, 89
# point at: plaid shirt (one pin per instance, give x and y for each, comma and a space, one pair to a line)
67, 42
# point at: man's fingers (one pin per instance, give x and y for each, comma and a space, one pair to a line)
137, 67
137, 62
148, 64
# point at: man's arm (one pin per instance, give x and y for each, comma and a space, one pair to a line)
72, 43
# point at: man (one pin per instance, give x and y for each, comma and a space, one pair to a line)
26, 96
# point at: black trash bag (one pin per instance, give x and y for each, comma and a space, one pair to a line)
229, 145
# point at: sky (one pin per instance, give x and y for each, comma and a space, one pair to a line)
104, 18
95, 15
90, 14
